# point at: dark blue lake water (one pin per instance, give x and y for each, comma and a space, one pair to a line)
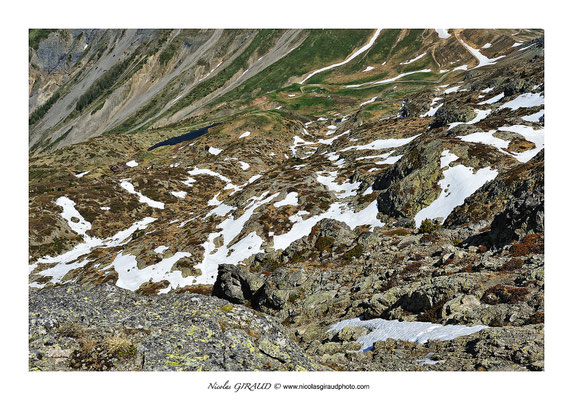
183, 138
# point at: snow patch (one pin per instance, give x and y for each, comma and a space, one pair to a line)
230, 228
82, 174
132, 163
534, 117
389, 79
417, 332
160, 249
131, 278
480, 115
459, 183
244, 166
215, 151
432, 111
442, 33
493, 100
70, 214
332, 139
382, 144
482, 60
181, 194
221, 210
70, 260
413, 59
452, 89
525, 100
298, 141
205, 171
389, 160
536, 136
446, 158
341, 190
385, 155
372, 100
337, 211
244, 135
291, 199
486, 138
124, 183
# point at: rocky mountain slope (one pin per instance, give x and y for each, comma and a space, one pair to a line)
373, 199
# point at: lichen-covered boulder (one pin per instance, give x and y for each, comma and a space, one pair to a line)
449, 113
108, 328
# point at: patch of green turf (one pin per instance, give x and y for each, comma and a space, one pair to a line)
320, 48
35, 36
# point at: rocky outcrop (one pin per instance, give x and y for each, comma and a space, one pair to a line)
494, 349
236, 284
411, 183
108, 328
515, 199
524, 215
449, 113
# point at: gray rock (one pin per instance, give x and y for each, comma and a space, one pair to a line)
351, 333
449, 113
182, 332
236, 284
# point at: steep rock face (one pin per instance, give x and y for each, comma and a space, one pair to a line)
411, 183
236, 284
108, 328
524, 215
519, 182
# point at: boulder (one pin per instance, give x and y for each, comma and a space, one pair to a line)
170, 332
236, 284
449, 113
412, 183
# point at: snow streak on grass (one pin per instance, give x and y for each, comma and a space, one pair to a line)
389, 79
353, 56
124, 183
482, 60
